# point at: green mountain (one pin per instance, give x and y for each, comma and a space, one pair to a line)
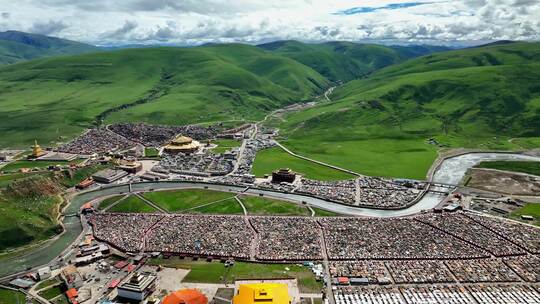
486, 97
53, 97
343, 61
18, 46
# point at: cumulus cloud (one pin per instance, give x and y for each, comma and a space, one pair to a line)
48, 28
121, 33
191, 22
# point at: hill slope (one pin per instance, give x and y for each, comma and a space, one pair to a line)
50, 97
18, 46
343, 61
476, 98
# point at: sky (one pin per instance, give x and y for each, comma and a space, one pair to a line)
194, 22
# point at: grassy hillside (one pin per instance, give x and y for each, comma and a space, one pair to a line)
18, 46
346, 60
475, 98
29, 204
29, 211
54, 97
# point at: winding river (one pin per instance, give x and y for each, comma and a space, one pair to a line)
450, 171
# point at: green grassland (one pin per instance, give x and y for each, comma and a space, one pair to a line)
344, 61
6, 179
529, 167
180, 200
215, 272
29, 204
17, 46
228, 206
224, 145
271, 159
256, 205
151, 152
56, 98
51, 293
485, 98
132, 204
47, 283
532, 209
29, 209
109, 201
322, 212
8, 296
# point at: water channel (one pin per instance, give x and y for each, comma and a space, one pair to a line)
450, 171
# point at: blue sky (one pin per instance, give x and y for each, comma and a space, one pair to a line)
192, 22
371, 9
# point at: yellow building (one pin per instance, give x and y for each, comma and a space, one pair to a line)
36, 150
268, 293
182, 144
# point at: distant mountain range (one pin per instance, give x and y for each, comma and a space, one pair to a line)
343, 61
394, 91
18, 46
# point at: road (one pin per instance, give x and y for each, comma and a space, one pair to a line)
326, 266
316, 161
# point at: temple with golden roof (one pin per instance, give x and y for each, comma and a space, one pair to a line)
182, 144
269, 293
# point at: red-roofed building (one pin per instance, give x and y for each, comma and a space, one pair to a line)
72, 294
186, 296
130, 267
120, 264
114, 283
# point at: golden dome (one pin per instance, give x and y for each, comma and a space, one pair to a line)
182, 144
181, 140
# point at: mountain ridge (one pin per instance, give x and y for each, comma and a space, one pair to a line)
18, 46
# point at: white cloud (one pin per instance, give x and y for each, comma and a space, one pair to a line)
252, 21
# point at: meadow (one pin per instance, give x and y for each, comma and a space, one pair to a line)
256, 205
227, 206
322, 212
529, 167
151, 152
109, 201
8, 296
483, 98
532, 209
272, 159
344, 61
181, 200
132, 204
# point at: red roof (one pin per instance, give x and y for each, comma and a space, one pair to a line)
120, 264
114, 283
343, 280
130, 267
186, 296
72, 293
